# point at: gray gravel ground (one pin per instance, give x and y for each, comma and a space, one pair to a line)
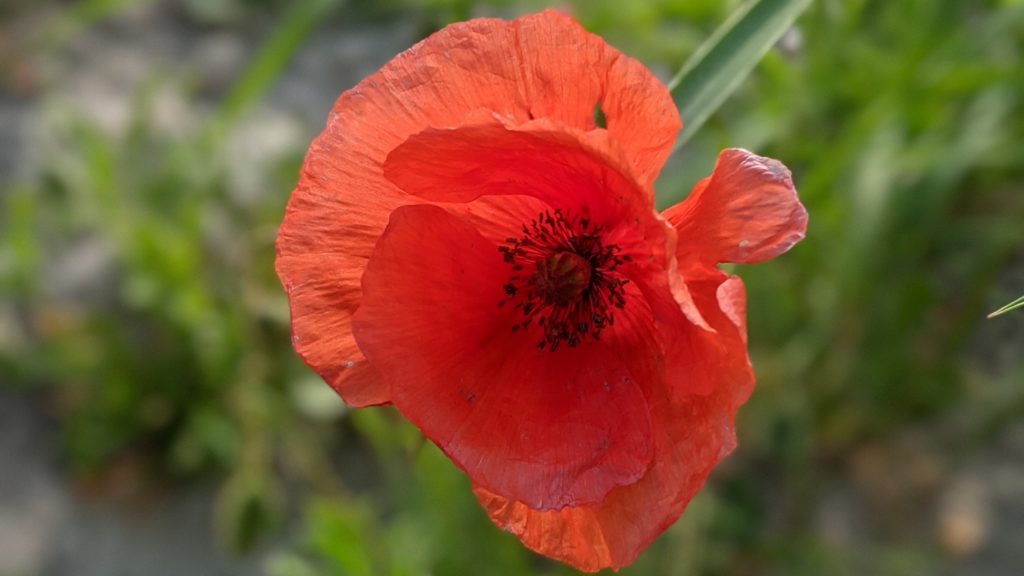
49, 528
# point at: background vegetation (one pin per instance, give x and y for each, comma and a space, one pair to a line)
140, 310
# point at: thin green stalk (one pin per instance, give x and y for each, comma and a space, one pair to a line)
1018, 303
296, 25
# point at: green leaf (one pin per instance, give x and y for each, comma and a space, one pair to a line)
1018, 303
721, 64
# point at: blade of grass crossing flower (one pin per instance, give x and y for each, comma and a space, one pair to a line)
1018, 303
721, 64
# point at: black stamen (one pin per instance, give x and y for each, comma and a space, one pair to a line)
573, 287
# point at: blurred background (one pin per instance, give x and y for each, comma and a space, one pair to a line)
154, 420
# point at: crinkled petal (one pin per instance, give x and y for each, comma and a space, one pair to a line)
695, 356
553, 429
320, 270
691, 432
567, 73
331, 224
746, 212
542, 65
732, 298
567, 170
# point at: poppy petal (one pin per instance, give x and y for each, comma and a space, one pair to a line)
693, 355
691, 432
579, 172
496, 218
568, 75
732, 297
551, 428
746, 212
320, 270
571, 173
566, 169
542, 65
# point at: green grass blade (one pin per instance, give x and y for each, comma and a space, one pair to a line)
719, 66
296, 25
1018, 303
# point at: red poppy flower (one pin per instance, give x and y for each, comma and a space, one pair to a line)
466, 243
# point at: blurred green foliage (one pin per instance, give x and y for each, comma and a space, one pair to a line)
900, 121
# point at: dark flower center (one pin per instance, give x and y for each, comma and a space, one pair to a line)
563, 278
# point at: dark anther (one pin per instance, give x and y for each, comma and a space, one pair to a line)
565, 277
